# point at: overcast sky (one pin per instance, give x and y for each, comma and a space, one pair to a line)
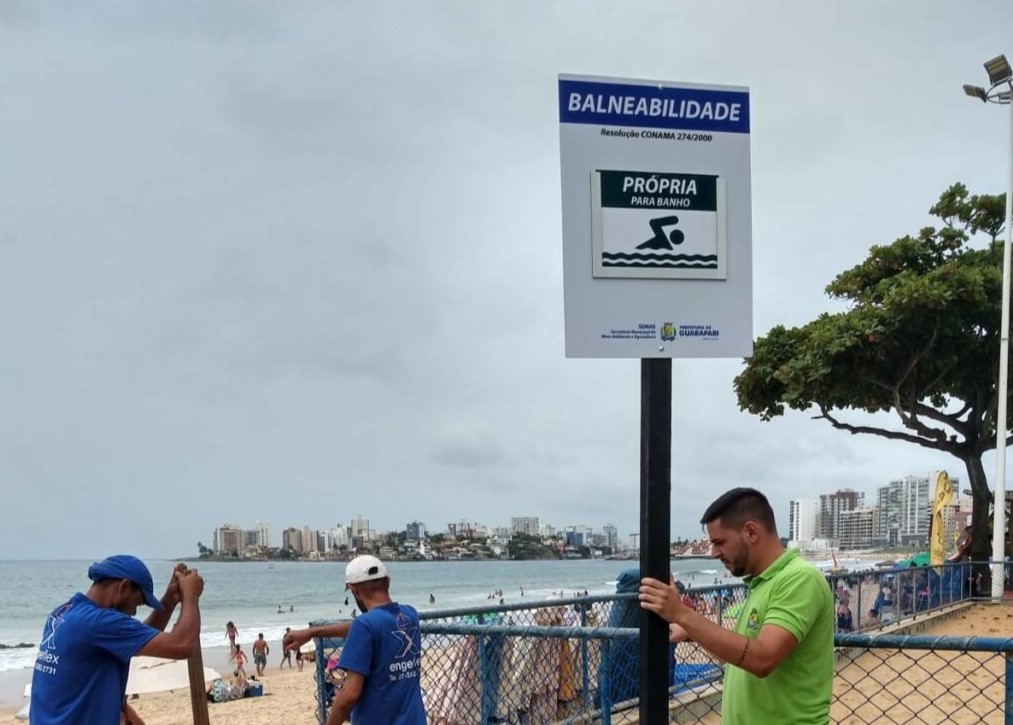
300, 262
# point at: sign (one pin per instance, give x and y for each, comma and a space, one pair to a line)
656, 219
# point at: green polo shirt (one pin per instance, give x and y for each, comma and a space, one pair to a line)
792, 594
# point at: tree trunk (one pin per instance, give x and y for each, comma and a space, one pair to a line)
981, 519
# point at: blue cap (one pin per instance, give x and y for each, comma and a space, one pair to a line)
124, 566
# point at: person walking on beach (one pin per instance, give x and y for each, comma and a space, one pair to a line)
231, 632
240, 659
779, 659
260, 653
381, 656
286, 653
80, 673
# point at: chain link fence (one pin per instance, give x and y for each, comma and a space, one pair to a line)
577, 660
894, 678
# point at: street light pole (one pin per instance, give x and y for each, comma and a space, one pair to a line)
1000, 76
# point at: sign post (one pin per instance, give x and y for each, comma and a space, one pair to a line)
657, 264
655, 526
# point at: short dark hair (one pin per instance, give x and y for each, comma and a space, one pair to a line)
374, 585
738, 506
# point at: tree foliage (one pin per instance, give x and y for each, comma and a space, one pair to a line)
917, 344
525, 546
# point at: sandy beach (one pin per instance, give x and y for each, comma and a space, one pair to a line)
289, 697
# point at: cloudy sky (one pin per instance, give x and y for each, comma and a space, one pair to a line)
300, 262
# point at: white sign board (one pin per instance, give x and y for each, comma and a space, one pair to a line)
657, 258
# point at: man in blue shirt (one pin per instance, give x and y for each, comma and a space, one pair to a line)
382, 655
84, 656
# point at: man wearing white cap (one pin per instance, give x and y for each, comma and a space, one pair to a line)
381, 656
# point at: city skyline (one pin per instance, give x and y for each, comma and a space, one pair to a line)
235, 537
845, 503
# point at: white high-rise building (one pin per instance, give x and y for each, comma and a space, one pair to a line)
802, 517
611, 536
856, 528
527, 525
262, 534
360, 528
339, 536
229, 540
309, 540
291, 538
905, 507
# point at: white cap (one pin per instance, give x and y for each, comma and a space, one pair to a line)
363, 569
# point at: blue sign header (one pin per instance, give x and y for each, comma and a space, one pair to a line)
614, 104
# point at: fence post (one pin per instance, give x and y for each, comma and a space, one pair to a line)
485, 695
1008, 704
859, 604
584, 662
321, 685
605, 682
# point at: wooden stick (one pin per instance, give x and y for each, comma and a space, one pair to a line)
198, 695
195, 668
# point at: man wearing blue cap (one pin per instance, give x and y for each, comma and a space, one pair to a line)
81, 669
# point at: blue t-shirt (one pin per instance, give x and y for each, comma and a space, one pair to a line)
384, 646
84, 658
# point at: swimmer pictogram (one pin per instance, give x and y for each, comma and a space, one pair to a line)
660, 240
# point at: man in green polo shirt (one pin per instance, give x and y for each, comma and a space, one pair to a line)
779, 659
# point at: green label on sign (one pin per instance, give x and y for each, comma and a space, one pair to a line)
642, 190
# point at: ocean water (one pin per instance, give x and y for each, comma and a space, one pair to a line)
250, 593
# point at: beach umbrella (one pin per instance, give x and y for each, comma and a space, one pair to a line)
919, 559
22, 714
155, 674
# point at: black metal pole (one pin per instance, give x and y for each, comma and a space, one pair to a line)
655, 526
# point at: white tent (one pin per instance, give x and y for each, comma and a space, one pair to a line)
22, 714
154, 674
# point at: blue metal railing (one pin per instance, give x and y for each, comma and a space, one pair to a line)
915, 592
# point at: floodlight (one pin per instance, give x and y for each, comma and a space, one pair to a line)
976, 92
998, 70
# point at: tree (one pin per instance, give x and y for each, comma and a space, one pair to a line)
525, 546
918, 342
